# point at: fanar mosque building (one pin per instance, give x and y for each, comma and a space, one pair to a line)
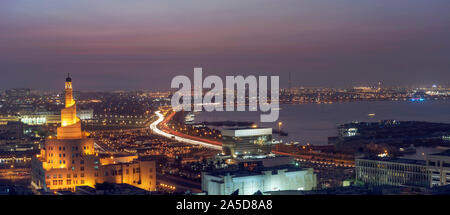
70, 159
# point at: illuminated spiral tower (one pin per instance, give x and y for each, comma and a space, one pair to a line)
70, 123
70, 159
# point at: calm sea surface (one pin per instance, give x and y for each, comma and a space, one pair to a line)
314, 123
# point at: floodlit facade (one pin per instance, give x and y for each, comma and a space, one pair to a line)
265, 179
70, 160
86, 114
439, 166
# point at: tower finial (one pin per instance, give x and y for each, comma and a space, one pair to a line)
68, 79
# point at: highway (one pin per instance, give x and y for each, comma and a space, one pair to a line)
156, 130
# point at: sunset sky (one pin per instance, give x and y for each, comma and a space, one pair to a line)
143, 44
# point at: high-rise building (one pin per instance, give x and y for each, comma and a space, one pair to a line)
69, 159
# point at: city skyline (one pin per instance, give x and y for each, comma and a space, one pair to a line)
143, 45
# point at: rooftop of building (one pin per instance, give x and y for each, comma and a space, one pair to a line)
258, 157
9, 123
350, 190
111, 189
246, 131
444, 153
245, 128
396, 160
257, 171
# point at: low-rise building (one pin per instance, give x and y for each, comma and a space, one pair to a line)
439, 167
392, 171
262, 179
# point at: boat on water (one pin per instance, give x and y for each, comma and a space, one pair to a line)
408, 150
371, 115
276, 141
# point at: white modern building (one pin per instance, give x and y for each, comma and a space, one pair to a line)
246, 141
85, 114
50, 117
248, 182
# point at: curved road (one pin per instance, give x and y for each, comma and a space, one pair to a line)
154, 128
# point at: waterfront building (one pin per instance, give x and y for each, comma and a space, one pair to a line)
249, 181
246, 141
69, 159
439, 167
352, 136
392, 171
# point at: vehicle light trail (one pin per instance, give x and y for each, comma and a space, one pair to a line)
154, 128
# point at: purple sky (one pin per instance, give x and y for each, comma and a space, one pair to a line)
137, 44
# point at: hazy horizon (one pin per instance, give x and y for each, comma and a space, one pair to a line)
133, 45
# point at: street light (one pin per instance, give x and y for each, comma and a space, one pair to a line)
279, 127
